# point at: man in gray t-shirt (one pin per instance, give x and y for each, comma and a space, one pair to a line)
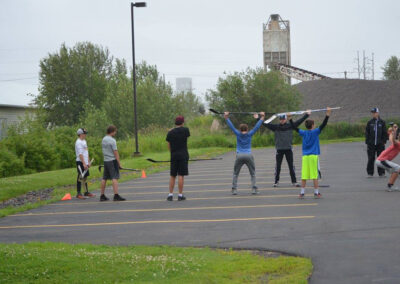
112, 164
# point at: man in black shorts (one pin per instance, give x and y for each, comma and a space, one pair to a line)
177, 145
112, 164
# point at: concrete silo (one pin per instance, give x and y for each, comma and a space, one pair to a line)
276, 42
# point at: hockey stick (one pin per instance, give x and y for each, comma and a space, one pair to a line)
296, 113
82, 177
192, 160
249, 112
125, 169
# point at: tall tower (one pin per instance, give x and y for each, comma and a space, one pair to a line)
276, 42
184, 85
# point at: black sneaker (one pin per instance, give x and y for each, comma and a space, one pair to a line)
170, 198
104, 198
181, 198
317, 195
301, 196
118, 197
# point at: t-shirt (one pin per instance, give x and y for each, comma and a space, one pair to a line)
108, 145
177, 138
390, 153
243, 140
81, 148
310, 141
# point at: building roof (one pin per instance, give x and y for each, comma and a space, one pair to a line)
15, 106
356, 97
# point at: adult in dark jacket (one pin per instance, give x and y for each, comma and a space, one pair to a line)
375, 138
283, 144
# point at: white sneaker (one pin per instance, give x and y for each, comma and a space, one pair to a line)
276, 184
393, 188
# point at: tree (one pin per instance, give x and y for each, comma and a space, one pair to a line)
188, 105
70, 78
253, 90
391, 69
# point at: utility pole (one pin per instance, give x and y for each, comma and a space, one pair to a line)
373, 67
358, 64
345, 74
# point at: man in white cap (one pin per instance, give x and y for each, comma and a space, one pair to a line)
375, 138
82, 163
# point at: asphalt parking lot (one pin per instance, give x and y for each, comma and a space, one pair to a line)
351, 234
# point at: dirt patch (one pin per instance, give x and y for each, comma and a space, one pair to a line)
30, 197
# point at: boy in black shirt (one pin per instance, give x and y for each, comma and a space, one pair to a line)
177, 145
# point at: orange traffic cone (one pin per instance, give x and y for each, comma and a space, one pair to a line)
144, 174
66, 197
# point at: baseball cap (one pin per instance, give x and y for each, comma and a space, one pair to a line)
179, 120
81, 131
375, 109
282, 117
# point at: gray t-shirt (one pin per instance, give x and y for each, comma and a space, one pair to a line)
109, 145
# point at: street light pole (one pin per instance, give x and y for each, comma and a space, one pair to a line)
133, 5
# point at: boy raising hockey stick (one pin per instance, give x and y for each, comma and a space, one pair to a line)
243, 151
384, 161
82, 163
311, 152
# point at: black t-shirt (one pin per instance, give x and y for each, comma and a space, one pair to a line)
177, 138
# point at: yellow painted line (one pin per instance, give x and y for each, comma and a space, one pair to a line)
191, 199
157, 222
200, 184
165, 209
204, 190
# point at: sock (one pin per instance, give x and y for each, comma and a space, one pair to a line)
390, 185
303, 190
170, 194
180, 194
316, 191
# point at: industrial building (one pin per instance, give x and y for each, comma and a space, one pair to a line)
184, 85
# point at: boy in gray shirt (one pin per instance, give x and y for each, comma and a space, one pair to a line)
112, 164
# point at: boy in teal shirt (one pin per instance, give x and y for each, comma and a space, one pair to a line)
311, 152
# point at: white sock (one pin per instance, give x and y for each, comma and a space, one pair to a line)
316, 191
180, 194
170, 194
303, 190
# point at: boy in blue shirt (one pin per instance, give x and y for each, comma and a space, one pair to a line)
243, 151
311, 152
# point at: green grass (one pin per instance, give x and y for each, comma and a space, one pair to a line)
63, 181
83, 263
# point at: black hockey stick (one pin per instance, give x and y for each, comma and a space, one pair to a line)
125, 169
248, 112
191, 160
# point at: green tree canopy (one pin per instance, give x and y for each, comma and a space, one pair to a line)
391, 69
253, 90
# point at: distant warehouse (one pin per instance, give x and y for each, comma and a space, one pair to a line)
11, 114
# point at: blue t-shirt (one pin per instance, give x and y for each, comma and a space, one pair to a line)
243, 141
310, 141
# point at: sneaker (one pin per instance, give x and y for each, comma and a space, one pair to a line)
80, 196
170, 198
104, 198
382, 176
88, 194
301, 196
181, 198
370, 176
296, 184
276, 184
392, 188
317, 195
255, 191
118, 197
234, 191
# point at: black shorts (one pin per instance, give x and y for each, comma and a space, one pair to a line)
179, 167
79, 164
111, 170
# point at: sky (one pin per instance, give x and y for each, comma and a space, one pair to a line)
197, 39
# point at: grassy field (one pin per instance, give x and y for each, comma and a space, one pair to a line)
65, 263
63, 181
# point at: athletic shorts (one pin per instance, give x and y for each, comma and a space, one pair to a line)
310, 167
179, 167
388, 166
79, 164
111, 170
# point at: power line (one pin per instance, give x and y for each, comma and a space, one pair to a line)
18, 79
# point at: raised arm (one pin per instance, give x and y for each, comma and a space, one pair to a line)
270, 126
296, 128
230, 124
328, 113
262, 116
298, 122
